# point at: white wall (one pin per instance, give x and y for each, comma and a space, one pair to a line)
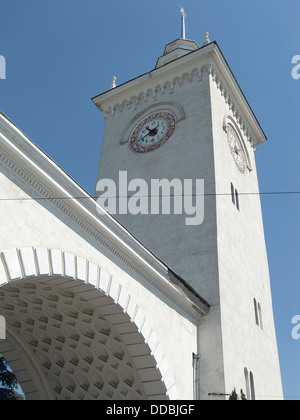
243, 268
28, 223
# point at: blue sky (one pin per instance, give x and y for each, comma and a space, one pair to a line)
61, 53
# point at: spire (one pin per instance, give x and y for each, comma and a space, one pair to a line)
113, 84
184, 16
206, 39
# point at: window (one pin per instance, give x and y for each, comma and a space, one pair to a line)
258, 314
237, 201
235, 197
247, 384
232, 194
250, 388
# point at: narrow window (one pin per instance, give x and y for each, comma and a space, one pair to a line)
247, 383
256, 312
235, 196
232, 193
252, 388
260, 316
237, 201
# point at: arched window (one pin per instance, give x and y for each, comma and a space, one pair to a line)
256, 312
247, 384
235, 196
237, 200
252, 388
260, 316
232, 194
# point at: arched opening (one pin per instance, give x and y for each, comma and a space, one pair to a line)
67, 339
10, 389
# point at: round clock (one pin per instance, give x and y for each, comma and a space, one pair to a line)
237, 149
152, 132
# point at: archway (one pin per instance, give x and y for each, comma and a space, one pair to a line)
74, 333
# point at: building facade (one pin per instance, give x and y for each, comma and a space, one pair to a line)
149, 303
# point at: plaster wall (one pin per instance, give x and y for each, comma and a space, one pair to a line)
243, 267
27, 224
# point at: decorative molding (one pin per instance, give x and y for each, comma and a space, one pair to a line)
155, 84
159, 92
155, 94
229, 99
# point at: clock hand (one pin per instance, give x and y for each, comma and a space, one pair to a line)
236, 150
153, 132
145, 136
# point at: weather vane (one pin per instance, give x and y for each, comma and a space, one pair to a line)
184, 16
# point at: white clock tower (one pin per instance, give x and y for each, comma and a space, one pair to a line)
188, 120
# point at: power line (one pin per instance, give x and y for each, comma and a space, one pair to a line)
152, 196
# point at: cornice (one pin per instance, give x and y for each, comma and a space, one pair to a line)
153, 86
148, 95
42, 180
235, 99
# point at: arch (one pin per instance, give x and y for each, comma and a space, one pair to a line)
228, 120
73, 317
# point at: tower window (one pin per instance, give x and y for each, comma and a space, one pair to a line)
247, 383
232, 194
258, 314
235, 196
250, 389
237, 201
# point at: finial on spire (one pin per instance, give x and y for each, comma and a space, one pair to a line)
184, 16
113, 83
206, 39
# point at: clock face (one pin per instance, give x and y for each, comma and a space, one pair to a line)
236, 148
152, 132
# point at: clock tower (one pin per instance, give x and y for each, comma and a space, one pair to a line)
180, 144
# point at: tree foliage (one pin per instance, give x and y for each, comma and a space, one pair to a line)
234, 396
8, 383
